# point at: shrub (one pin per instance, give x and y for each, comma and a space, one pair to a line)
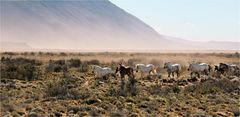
65, 88
156, 62
83, 67
209, 86
49, 53
94, 113
158, 90
117, 114
56, 66
93, 62
9, 53
133, 61
56, 88
75, 62
113, 91
20, 68
63, 54
176, 89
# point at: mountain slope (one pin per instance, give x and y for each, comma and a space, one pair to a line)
74, 24
86, 25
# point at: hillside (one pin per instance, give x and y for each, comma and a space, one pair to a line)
83, 25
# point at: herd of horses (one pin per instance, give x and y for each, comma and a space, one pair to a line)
194, 68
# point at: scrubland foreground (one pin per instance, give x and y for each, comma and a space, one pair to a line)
62, 84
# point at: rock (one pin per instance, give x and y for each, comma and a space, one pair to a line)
15, 114
20, 112
28, 101
93, 101
236, 79
192, 79
71, 111
221, 114
37, 110
33, 114
57, 114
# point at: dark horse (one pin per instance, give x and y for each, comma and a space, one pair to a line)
125, 71
222, 68
129, 72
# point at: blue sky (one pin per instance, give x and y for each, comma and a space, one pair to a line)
200, 20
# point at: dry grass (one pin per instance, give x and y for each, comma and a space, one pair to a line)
73, 90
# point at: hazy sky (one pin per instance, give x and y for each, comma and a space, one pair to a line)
202, 20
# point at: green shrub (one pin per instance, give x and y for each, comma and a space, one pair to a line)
75, 62
9, 53
93, 62
63, 54
176, 89
56, 66
214, 86
20, 68
62, 88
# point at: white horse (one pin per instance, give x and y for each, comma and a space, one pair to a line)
145, 69
233, 69
171, 68
101, 72
199, 68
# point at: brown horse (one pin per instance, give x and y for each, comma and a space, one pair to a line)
129, 72
125, 71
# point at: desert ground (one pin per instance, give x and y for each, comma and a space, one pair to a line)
38, 84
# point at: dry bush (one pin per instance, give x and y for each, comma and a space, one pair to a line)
117, 114
50, 54
9, 53
156, 62
216, 86
74, 62
56, 66
112, 91
229, 55
133, 61
93, 62
63, 54
20, 68
84, 67
64, 88
158, 90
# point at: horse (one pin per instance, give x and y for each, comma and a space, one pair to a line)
223, 68
123, 70
171, 68
129, 72
198, 68
234, 70
101, 72
145, 69
227, 69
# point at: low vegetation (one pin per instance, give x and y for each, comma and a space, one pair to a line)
20, 68
62, 84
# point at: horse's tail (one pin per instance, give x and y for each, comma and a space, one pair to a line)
179, 68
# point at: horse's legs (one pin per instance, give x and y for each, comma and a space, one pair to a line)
169, 74
173, 74
122, 91
177, 73
198, 75
191, 74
